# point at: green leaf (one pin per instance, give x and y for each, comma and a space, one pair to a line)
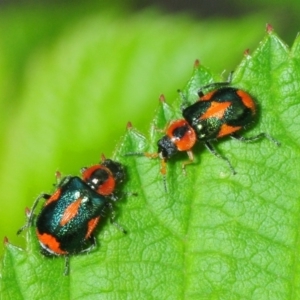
212, 235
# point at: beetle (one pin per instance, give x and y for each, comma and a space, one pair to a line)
69, 217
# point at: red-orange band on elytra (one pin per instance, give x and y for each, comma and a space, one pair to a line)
53, 197
226, 130
216, 110
70, 212
91, 226
50, 242
247, 100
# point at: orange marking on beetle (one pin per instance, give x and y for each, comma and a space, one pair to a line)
247, 100
53, 197
173, 125
70, 212
91, 226
108, 186
207, 97
50, 242
216, 110
86, 174
187, 141
226, 130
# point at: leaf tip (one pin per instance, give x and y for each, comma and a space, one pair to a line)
247, 52
269, 28
162, 98
103, 158
5, 240
129, 125
196, 63
58, 175
27, 212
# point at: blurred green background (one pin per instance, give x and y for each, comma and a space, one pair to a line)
73, 73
